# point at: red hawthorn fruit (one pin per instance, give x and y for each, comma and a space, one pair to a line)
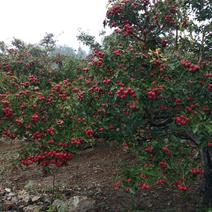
28, 126
129, 180
190, 66
99, 63
164, 43
143, 186
210, 144
100, 54
167, 151
117, 52
125, 147
160, 182
106, 81
132, 106
118, 30
26, 92
178, 182
76, 141
163, 165
127, 189
182, 187
149, 149
117, 186
62, 144
32, 79
142, 175
35, 118
190, 98
145, 2
86, 70
51, 141
194, 68
101, 130
5, 103
206, 109
182, 120
89, 132
210, 87
164, 107
207, 75
59, 163
151, 95
173, 9
169, 19
186, 63
128, 29
45, 163
178, 101
60, 122
41, 98
8, 112
18, 122
189, 109
7, 67
157, 62
37, 135
197, 171
125, 1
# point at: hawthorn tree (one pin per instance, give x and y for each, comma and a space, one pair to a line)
150, 79
153, 74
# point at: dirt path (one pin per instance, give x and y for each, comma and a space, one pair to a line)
91, 173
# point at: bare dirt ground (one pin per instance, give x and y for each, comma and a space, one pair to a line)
92, 173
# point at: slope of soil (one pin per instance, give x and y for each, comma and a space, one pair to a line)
92, 173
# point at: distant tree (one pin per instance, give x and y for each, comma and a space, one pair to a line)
48, 42
65, 50
81, 54
19, 44
88, 40
3, 47
35, 50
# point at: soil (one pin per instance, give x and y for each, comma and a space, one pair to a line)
92, 173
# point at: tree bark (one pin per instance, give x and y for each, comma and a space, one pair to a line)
207, 158
201, 48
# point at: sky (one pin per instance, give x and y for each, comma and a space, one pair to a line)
30, 20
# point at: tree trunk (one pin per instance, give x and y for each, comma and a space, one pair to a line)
207, 196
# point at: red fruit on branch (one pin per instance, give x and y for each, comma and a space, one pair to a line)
35, 118
89, 133
182, 187
160, 182
210, 87
182, 120
8, 112
149, 149
163, 165
197, 171
151, 95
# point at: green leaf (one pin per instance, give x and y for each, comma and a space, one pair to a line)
209, 127
195, 128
